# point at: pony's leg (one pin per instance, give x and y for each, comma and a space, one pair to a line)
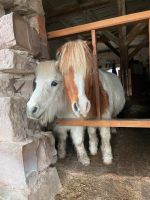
77, 134
105, 145
62, 137
93, 140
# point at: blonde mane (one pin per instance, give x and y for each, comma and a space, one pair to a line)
76, 54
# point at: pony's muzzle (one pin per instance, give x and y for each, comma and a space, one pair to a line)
32, 111
85, 109
81, 110
76, 109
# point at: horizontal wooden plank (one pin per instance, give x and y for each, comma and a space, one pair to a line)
133, 123
100, 24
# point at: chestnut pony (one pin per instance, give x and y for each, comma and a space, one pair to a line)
76, 64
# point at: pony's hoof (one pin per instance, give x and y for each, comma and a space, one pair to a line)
93, 151
61, 155
85, 161
107, 160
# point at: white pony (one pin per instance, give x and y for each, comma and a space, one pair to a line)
48, 101
77, 65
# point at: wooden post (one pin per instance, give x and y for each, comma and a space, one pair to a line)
149, 44
130, 82
123, 47
96, 74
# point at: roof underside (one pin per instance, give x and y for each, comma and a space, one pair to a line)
66, 13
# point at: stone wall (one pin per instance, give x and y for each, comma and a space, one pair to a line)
27, 155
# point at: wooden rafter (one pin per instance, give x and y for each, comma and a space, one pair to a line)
113, 49
138, 28
116, 21
111, 37
105, 40
142, 44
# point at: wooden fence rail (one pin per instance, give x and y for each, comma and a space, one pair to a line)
136, 123
121, 20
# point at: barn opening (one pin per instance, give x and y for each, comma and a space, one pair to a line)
117, 47
32, 31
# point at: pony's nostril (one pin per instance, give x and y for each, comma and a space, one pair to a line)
88, 106
76, 107
34, 110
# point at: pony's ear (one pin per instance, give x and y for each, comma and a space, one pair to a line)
58, 52
57, 64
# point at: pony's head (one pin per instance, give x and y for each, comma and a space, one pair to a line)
75, 64
43, 103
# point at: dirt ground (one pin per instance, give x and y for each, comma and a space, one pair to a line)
124, 179
128, 178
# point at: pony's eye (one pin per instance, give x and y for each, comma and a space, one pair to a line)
34, 84
53, 83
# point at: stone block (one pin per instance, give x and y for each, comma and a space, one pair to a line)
46, 152
16, 33
21, 162
38, 23
12, 167
16, 61
2, 11
16, 85
45, 187
28, 7
24, 7
13, 119
44, 48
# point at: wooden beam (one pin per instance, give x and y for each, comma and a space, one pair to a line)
138, 28
123, 46
72, 10
96, 74
138, 48
133, 123
111, 37
121, 20
114, 50
149, 43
